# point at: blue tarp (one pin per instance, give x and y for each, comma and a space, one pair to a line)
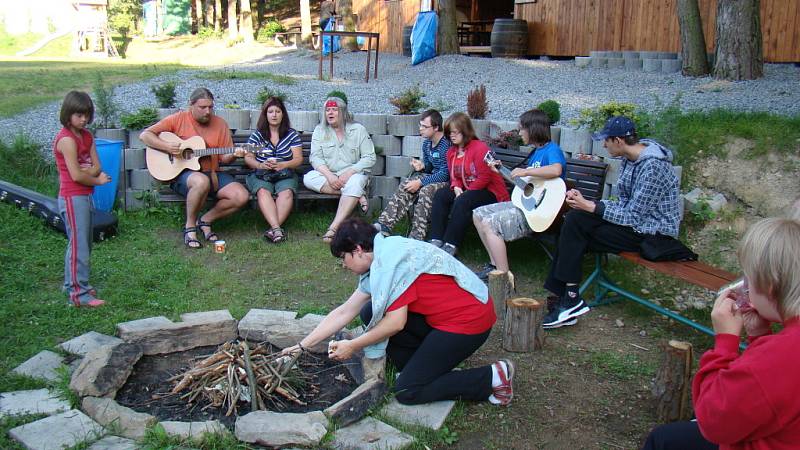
423, 37
326, 43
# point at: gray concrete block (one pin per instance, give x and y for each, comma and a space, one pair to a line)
398, 125
575, 141
133, 139
41, 366
649, 55
610, 55
412, 146
555, 134
633, 64
63, 430
379, 168
612, 174
429, 415
389, 145
398, 166
255, 114
671, 65
598, 148
114, 443
37, 401
133, 200
616, 63
384, 186
134, 158
667, 55
83, 344
164, 112
598, 54
370, 434
502, 126
599, 63
630, 55
651, 65
304, 121
481, 127
237, 119
374, 123
114, 134
141, 180
583, 61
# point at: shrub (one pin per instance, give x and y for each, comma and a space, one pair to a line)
268, 30
409, 101
104, 107
504, 139
553, 110
595, 118
267, 92
140, 119
477, 106
165, 94
338, 94
209, 33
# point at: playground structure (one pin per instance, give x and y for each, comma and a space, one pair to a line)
92, 36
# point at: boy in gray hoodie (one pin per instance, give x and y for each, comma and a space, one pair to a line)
648, 204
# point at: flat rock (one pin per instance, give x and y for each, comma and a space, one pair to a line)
279, 328
429, 415
60, 431
159, 335
193, 430
114, 443
41, 366
282, 429
104, 370
105, 411
38, 401
87, 342
355, 406
370, 434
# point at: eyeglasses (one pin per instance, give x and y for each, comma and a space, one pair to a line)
455, 133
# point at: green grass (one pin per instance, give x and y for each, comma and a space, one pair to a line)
11, 44
26, 84
625, 366
218, 75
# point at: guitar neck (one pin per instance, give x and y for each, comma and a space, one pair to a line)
214, 151
518, 182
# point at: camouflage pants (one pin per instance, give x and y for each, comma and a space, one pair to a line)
402, 202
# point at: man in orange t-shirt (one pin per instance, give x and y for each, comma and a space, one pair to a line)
200, 120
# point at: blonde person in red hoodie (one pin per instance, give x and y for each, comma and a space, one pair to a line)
472, 184
750, 400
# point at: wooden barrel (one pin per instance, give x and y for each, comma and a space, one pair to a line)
509, 38
407, 40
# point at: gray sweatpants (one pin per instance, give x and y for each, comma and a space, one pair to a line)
76, 212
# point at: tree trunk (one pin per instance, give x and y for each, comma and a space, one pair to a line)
233, 30
217, 15
693, 42
305, 23
247, 21
261, 9
739, 53
345, 11
198, 7
673, 381
501, 285
209, 13
447, 35
522, 326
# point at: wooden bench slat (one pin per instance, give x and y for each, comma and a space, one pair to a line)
692, 271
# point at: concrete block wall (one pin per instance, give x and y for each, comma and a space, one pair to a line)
660, 62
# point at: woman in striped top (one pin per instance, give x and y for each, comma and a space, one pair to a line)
273, 166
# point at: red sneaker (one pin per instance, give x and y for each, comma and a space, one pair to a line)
505, 392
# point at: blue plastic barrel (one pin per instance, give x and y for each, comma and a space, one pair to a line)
109, 152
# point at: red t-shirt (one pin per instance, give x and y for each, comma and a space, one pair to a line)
446, 306
68, 186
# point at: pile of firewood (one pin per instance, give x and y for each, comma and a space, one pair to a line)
237, 373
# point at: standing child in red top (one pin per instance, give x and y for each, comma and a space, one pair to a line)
752, 400
79, 172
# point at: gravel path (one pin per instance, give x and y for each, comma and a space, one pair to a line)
512, 87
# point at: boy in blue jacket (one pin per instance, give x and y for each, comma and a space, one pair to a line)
648, 204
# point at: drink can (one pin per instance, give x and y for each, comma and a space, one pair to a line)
219, 246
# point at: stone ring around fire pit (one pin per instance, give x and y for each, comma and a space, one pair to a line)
108, 362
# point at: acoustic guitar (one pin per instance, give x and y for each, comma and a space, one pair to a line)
539, 199
165, 166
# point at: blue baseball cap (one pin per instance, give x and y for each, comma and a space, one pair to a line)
617, 126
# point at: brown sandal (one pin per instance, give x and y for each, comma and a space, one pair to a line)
275, 235
191, 242
329, 235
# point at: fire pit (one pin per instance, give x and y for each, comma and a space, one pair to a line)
208, 372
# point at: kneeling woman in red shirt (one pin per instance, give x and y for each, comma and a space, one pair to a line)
432, 309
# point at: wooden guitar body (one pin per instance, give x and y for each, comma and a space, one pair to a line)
164, 166
548, 193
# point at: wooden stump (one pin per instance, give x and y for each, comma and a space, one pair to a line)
522, 330
501, 284
673, 381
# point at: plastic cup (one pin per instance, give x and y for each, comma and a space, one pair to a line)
219, 246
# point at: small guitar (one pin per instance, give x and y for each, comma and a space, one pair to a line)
539, 199
164, 166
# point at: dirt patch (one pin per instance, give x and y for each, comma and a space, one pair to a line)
147, 388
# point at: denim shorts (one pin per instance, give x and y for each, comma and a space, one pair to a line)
180, 186
254, 183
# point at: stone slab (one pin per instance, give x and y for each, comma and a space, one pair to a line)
282, 429
630, 55
279, 327
389, 145
613, 54
374, 123
598, 54
616, 63
114, 443
583, 61
353, 407
633, 64
57, 432
304, 120
205, 317
41, 366
407, 125
127, 422
193, 430
134, 158
651, 65
575, 141
83, 344
159, 335
671, 65
429, 415
412, 146
140, 179
37, 401
370, 434
599, 63
398, 166
104, 370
